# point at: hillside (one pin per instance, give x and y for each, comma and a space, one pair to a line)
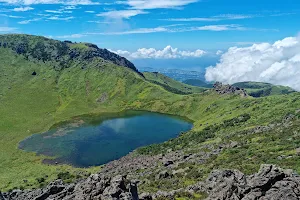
170, 84
257, 89
198, 83
230, 131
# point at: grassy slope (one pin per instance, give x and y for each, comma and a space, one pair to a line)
257, 89
32, 104
198, 83
170, 84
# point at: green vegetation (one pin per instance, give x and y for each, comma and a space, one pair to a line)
31, 104
198, 83
170, 84
257, 89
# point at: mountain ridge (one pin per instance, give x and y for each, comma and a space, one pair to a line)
46, 49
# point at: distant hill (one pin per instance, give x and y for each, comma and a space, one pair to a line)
198, 83
258, 89
171, 85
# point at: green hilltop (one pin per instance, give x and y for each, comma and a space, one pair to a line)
254, 89
258, 89
45, 81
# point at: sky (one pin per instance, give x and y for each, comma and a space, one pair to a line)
200, 33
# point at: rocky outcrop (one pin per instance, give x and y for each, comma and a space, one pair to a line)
270, 183
95, 187
229, 89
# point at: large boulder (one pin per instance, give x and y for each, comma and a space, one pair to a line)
229, 89
270, 183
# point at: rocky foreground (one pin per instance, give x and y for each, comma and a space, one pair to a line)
270, 183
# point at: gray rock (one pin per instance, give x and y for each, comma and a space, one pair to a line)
270, 183
167, 163
163, 175
229, 89
1, 196
145, 196
95, 187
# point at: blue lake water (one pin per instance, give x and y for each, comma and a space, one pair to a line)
95, 140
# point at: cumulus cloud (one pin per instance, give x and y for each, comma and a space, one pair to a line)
219, 52
277, 63
166, 53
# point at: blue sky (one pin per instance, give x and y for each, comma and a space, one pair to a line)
155, 29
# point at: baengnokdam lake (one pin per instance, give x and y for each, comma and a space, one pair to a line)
95, 140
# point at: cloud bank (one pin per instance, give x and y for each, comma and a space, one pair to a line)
277, 63
166, 53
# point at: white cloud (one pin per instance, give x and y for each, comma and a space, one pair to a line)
235, 16
12, 16
65, 2
70, 36
226, 27
219, 52
166, 53
193, 19
170, 29
29, 21
70, 8
60, 18
7, 29
154, 4
277, 63
119, 14
89, 11
23, 9
137, 7
135, 31
54, 11
101, 22
212, 19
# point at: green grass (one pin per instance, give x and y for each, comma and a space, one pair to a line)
32, 104
257, 89
82, 46
198, 83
